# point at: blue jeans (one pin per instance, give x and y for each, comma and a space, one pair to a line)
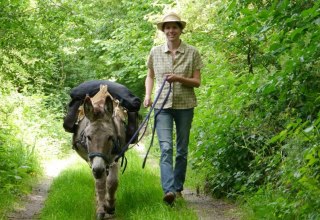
173, 177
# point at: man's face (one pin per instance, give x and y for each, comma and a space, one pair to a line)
172, 31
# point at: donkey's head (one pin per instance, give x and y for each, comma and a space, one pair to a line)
101, 134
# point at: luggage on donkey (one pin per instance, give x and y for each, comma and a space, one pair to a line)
126, 98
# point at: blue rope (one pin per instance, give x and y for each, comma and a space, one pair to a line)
154, 126
121, 154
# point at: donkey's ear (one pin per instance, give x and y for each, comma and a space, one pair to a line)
108, 106
88, 108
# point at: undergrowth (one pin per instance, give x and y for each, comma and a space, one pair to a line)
26, 140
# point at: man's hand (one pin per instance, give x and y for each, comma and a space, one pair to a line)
147, 102
172, 78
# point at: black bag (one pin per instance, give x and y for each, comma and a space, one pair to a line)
131, 102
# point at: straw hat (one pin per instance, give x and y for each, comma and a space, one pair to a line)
171, 17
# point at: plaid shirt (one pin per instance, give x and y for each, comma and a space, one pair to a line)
187, 61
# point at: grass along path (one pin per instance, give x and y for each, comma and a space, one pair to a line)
139, 195
29, 206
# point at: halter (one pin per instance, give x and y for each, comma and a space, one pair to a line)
115, 150
97, 154
117, 112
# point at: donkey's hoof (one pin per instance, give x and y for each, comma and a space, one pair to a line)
100, 215
110, 210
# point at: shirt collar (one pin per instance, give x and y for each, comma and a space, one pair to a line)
180, 49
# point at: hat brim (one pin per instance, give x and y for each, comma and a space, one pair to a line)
160, 24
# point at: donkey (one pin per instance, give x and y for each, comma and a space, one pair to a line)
100, 135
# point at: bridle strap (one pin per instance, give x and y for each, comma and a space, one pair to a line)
91, 155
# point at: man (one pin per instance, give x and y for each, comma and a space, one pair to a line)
179, 64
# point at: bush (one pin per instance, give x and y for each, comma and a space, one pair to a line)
29, 135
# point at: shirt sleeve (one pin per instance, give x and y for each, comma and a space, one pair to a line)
197, 64
150, 60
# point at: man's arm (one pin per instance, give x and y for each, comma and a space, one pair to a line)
195, 81
149, 87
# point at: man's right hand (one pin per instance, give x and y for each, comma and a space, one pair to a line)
147, 102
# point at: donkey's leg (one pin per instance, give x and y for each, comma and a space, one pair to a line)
112, 185
101, 195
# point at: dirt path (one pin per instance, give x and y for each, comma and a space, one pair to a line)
32, 204
206, 207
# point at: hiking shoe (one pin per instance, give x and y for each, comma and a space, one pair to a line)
169, 197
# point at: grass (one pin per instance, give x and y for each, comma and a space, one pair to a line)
71, 194
139, 195
10, 196
19, 170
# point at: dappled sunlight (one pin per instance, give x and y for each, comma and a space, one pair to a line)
52, 168
140, 148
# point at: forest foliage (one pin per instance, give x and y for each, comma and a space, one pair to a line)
255, 135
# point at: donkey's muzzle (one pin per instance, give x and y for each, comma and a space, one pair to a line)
98, 172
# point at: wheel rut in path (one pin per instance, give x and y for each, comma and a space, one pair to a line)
209, 208
29, 206
32, 204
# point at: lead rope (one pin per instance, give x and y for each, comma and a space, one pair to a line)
121, 154
154, 126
